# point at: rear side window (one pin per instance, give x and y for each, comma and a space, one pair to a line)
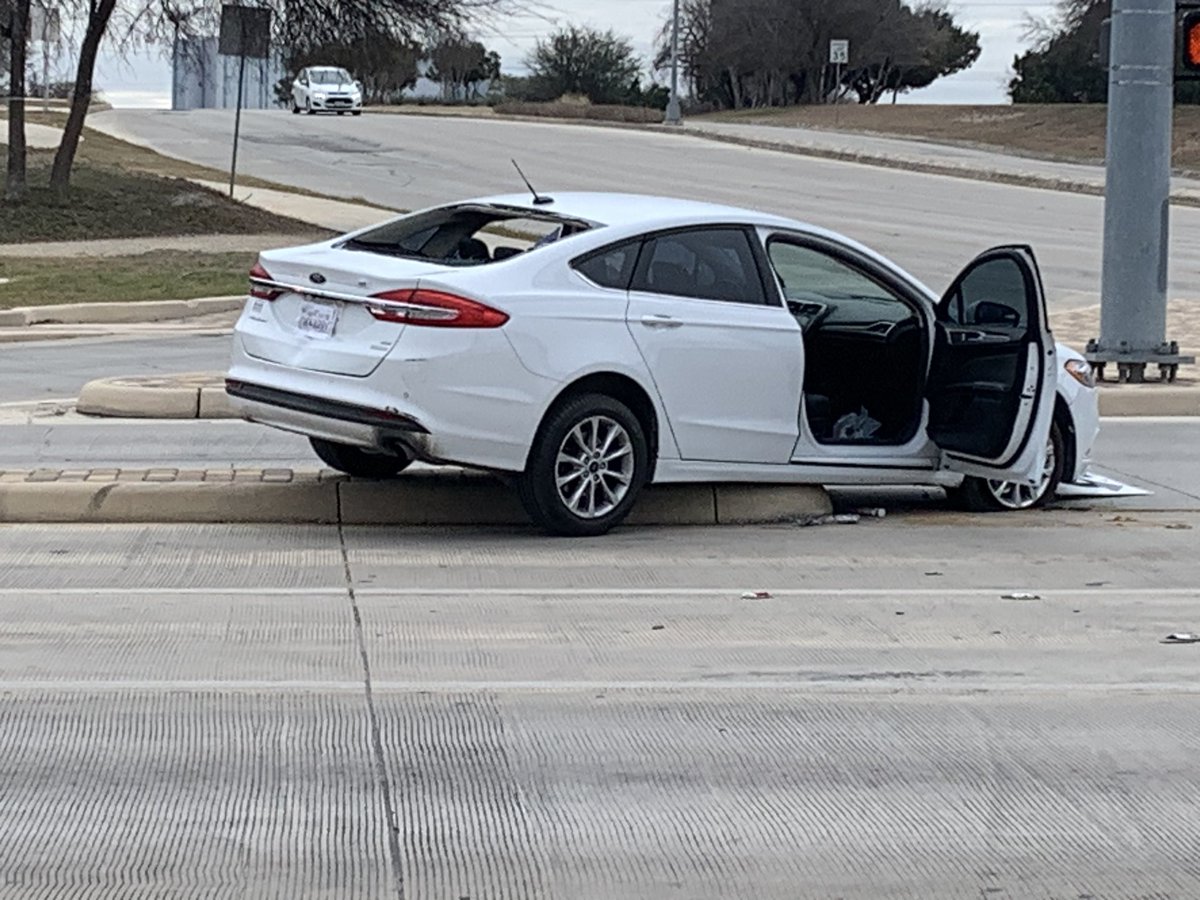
611, 267
706, 264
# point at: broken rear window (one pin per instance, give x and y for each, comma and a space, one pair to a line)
467, 235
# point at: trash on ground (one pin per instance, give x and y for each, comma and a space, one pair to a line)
1096, 584
931, 574
1178, 526
857, 426
657, 627
756, 595
1182, 637
839, 519
1020, 595
872, 512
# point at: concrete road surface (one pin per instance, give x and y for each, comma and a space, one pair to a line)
932, 225
373, 713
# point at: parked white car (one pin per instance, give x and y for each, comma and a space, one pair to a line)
326, 89
636, 339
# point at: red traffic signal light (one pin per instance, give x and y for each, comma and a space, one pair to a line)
1190, 35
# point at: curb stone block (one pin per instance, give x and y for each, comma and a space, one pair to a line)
739, 503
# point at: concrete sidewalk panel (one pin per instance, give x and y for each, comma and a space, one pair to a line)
759, 503
191, 502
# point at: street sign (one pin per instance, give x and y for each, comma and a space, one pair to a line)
245, 31
839, 52
43, 24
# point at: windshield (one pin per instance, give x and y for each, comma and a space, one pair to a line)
329, 76
467, 235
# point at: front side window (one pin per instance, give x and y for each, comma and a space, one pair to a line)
993, 293
705, 264
820, 288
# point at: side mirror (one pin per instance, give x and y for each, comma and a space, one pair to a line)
989, 313
358, 84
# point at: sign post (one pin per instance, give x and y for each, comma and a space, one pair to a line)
245, 31
839, 55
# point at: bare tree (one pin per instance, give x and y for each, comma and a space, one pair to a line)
18, 31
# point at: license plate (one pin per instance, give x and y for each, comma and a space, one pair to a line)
317, 319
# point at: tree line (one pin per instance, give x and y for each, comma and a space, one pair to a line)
1065, 64
753, 53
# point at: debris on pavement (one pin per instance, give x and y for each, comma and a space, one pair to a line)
872, 512
756, 595
838, 519
1182, 637
932, 574
1178, 526
657, 627
1020, 595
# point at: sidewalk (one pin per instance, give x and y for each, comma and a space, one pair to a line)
37, 137
926, 156
200, 243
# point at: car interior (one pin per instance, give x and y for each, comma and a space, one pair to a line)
865, 349
467, 235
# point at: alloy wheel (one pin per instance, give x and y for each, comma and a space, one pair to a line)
594, 467
1017, 495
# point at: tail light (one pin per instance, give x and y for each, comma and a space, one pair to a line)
260, 291
436, 309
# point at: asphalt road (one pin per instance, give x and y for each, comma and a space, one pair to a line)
308, 712
932, 225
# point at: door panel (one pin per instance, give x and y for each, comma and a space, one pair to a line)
727, 361
992, 380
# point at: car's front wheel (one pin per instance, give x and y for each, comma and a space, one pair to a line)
357, 462
984, 494
308, 108
586, 468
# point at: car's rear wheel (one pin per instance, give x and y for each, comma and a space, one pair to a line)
295, 108
587, 466
983, 494
357, 462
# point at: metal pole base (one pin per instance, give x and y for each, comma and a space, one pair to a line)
1131, 365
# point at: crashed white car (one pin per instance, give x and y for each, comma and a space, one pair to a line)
326, 89
590, 344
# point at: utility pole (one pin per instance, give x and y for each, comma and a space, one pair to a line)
674, 116
1133, 288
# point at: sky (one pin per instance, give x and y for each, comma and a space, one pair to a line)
144, 80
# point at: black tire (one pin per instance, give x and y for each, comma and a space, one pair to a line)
357, 462
538, 486
308, 108
357, 112
341, 112
295, 108
982, 495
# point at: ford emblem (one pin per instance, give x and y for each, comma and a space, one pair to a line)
316, 278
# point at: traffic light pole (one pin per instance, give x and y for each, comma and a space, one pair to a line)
1133, 290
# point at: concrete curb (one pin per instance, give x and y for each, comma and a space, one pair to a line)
132, 312
1150, 399
415, 499
194, 396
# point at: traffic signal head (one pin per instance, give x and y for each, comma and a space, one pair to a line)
1190, 41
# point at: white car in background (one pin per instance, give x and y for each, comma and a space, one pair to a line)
634, 340
326, 89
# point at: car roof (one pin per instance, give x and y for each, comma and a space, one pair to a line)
618, 209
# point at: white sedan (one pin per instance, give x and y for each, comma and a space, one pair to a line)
326, 89
590, 344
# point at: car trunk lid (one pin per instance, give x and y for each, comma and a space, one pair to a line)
319, 319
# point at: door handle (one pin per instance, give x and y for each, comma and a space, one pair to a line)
658, 320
